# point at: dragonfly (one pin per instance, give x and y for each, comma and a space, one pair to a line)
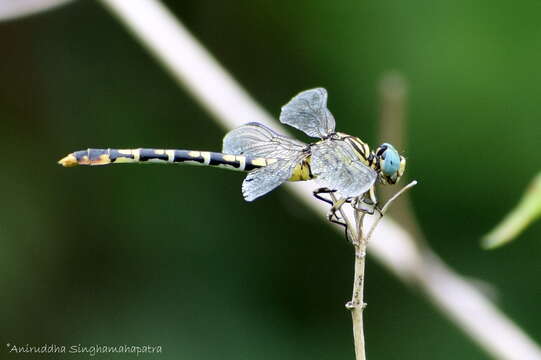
338, 162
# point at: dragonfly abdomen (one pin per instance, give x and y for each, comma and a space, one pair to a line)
191, 157
302, 171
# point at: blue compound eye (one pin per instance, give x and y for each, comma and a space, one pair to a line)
390, 160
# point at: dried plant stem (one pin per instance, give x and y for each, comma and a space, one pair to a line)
386, 207
360, 242
357, 304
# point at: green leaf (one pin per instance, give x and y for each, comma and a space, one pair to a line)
527, 210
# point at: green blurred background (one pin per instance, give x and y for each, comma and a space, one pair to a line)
173, 256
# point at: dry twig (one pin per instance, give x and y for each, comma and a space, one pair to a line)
360, 237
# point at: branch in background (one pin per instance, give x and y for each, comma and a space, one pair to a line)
527, 210
393, 91
393, 95
14, 9
195, 69
191, 65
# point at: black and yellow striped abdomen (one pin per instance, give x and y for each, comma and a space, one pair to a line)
190, 157
94, 157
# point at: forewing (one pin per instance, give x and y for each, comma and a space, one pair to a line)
265, 179
257, 140
336, 167
308, 112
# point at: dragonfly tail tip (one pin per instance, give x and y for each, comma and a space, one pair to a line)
68, 161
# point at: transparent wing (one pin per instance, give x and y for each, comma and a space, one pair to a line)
257, 140
308, 112
335, 166
265, 179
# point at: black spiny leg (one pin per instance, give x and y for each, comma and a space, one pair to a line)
367, 203
332, 215
319, 191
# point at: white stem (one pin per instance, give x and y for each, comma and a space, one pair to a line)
13, 9
195, 69
188, 62
466, 306
386, 206
357, 304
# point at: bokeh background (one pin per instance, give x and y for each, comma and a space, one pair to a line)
173, 256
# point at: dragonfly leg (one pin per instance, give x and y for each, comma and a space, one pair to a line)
333, 212
317, 194
333, 215
364, 207
374, 200
367, 203
337, 220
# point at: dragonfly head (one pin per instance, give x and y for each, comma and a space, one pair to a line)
391, 164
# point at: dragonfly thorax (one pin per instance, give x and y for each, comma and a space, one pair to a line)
386, 161
360, 148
